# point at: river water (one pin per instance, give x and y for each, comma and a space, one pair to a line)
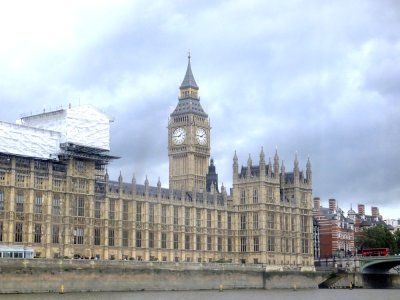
314, 294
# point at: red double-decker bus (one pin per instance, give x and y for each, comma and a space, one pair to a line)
374, 252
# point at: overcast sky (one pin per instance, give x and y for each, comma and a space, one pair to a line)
320, 78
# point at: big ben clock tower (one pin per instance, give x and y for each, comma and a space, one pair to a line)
188, 139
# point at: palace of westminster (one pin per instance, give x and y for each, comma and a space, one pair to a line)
56, 196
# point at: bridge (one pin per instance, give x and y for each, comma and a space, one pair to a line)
363, 271
378, 264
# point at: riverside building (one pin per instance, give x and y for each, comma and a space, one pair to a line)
56, 196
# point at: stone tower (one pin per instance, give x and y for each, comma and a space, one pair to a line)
188, 139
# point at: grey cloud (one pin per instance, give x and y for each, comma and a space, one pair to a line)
319, 79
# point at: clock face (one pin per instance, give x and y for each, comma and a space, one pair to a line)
201, 136
178, 136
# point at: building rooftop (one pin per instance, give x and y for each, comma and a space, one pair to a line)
189, 106
165, 193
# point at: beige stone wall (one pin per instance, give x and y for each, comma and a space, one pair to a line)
36, 275
284, 227
89, 204
188, 162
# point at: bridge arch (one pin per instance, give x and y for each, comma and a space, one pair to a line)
378, 264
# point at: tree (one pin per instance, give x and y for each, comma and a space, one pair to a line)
397, 241
378, 237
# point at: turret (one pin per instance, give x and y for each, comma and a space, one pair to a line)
249, 164
106, 177
283, 174
235, 166
276, 164
120, 183
269, 168
223, 190
159, 186
133, 187
262, 163
146, 187
296, 171
309, 172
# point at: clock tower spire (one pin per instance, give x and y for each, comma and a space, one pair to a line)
188, 138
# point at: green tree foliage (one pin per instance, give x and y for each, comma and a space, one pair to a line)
397, 239
378, 237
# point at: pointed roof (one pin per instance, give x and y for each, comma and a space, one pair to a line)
188, 81
159, 183
276, 157
296, 162
262, 155
190, 103
211, 167
308, 164
249, 161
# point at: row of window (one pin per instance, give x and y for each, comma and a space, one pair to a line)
287, 244
38, 203
37, 233
285, 220
22, 176
78, 209
187, 93
79, 185
243, 199
270, 196
39, 165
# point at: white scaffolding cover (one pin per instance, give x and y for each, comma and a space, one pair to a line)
81, 125
27, 141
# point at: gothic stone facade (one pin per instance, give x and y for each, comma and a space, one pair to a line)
67, 206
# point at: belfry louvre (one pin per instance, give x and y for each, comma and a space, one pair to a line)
56, 196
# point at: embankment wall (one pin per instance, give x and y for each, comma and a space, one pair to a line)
37, 275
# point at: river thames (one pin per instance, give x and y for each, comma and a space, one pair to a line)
326, 294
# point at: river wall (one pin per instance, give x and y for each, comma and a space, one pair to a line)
40, 275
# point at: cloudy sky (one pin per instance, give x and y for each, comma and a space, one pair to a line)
320, 78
